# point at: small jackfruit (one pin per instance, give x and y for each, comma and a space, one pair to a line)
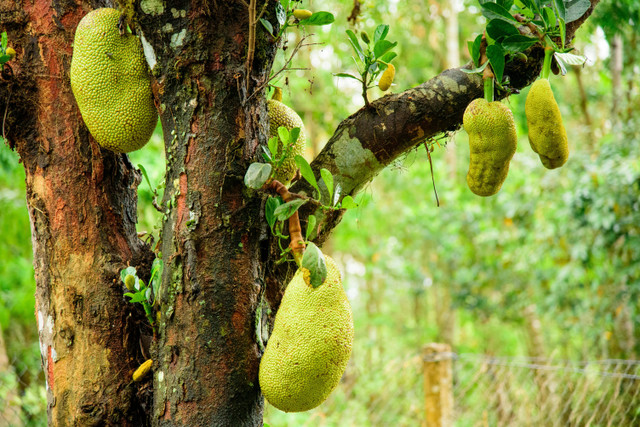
282, 115
310, 345
492, 143
111, 83
547, 135
302, 14
11, 52
142, 370
387, 77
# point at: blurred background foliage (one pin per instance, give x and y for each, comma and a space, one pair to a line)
556, 248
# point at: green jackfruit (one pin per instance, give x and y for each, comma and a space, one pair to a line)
311, 343
281, 115
492, 142
547, 135
111, 83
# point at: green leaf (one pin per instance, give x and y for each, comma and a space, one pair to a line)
257, 175
498, 28
314, 261
348, 203
327, 177
270, 209
495, 11
146, 176
505, 3
474, 50
549, 17
347, 75
380, 33
319, 18
283, 212
266, 154
382, 47
267, 25
388, 57
137, 297
356, 45
566, 59
336, 194
283, 133
311, 225
575, 9
518, 43
477, 69
307, 172
294, 134
4, 41
273, 146
495, 54
560, 9
4, 59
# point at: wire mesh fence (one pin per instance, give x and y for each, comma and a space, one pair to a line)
526, 391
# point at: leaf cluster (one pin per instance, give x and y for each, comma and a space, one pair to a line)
372, 58
504, 40
141, 293
4, 43
285, 18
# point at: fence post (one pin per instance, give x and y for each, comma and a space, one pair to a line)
438, 385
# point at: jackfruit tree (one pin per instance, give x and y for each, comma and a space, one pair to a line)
209, 65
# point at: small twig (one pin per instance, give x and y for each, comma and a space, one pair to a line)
433, 180
6, 110
295, 230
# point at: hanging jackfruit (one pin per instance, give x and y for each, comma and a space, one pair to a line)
547, 135
111, 83
492, 142
282, 115
310, 345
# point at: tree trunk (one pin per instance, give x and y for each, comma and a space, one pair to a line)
220, 275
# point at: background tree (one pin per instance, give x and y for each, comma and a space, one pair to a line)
219, 258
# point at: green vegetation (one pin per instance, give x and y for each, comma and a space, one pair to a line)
310, 345
111, 84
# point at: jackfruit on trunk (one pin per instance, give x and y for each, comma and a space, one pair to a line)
492, 143
310, 345
282, 115
547, 134
111, 83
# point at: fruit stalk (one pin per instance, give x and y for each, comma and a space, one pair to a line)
546, 65
295, 230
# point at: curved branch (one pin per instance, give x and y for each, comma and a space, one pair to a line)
372, 138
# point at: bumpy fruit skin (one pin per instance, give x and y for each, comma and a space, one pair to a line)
311, 343
547, 135
492, 142
110, 81
302, 14
387, 77
281, 115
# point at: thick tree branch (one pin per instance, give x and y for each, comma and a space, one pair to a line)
372, 138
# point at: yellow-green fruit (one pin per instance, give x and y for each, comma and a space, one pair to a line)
11, 52
142, 370
110, 81
492, 142
302, 14
281, 115
311, 343
387, 77
130, 282
547, 135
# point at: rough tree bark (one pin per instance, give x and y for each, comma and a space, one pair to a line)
218, 254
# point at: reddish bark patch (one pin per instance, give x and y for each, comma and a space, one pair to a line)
181, 211
50, 367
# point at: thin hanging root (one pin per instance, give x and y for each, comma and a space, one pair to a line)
433, 180
295, 230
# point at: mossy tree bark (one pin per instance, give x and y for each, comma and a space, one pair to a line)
219, 256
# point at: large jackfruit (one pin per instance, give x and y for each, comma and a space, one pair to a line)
111, 83
311, 343
282, 115
547, 135
492, 142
